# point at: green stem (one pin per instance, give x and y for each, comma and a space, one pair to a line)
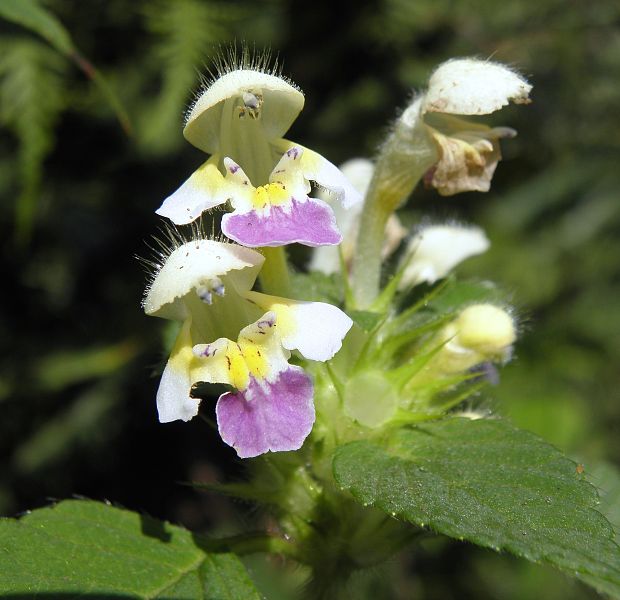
274, 276
248, 543
367, 261
406, 155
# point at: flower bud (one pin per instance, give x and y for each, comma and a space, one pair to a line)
460, 155
435, 250
482, 332
486, 329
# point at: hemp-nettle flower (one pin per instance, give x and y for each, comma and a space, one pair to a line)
241, 338
241, 117
430, 141
467, 152
280, 212
436, 249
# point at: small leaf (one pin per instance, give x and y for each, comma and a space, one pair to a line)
489, 483
317, 287
80, 547
61, 369
32, 98
366, 320
460, 294
186, 31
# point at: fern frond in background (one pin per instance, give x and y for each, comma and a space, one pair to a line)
186, 34
31, 100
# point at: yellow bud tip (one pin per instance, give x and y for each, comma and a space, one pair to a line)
485, 328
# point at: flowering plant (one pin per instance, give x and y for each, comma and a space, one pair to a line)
352, 389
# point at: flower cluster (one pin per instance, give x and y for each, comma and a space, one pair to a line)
232, 334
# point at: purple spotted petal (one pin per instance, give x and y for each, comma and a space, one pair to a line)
311, 222
274, 416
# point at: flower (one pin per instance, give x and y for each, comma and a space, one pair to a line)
279, 212
436, 249
429, 142
467, 153
241, 338
240, 119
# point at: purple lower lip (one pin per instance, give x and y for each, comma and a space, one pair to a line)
311, 222
276, 416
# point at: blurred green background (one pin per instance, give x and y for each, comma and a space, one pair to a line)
91, 143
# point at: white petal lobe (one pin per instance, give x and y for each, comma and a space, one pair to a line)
469, 86
318, 330
437, 249
173, 400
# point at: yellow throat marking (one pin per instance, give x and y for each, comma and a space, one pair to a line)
270, 194
245, 359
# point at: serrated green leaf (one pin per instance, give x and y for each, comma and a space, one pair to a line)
492, 484
606, 477
33, 16
85, 548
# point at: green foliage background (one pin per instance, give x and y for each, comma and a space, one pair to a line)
91, 103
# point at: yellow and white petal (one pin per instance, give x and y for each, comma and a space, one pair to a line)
240, 190
203, 190
173, 396
316, 329
196, 264
289, 173
243, 93
324, 173
437, 249
326, 259
468, 86
256, 354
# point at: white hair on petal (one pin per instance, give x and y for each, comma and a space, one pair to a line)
235, 58
170, 238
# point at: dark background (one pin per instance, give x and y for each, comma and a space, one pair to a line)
80, 361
